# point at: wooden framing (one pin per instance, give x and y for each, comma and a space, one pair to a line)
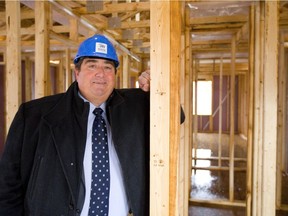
220, 114
28, 79
250, 110
165, 105
125, 71
264, 164
60, 77
281, 126
177, 58
188, 122
68, 72
42, 76
232, 121
258, 117
13, 68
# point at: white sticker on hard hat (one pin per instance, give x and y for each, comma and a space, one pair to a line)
101, 47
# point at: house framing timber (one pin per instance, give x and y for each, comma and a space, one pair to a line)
242, 45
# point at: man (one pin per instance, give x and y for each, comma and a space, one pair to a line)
47, 159
50, 165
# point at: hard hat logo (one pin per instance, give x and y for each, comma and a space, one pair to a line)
97, 46
101, 48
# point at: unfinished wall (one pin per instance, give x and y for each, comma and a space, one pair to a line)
204, 122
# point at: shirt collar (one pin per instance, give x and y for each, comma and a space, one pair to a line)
92, 106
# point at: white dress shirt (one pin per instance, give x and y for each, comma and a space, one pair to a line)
118, 204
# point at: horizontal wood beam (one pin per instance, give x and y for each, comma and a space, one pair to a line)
217, 19
118, 8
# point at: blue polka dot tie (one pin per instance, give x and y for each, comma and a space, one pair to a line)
100, 182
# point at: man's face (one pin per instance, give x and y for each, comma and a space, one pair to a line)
96, 79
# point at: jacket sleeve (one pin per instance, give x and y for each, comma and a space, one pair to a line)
11, 185
182, 115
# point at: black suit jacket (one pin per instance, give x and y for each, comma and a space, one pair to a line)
42, 164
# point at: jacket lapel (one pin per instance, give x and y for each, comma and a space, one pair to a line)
68, 123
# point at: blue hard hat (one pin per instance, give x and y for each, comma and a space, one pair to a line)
97, 46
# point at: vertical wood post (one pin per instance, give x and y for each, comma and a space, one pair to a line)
119, 75
60, 77
165, 105
195, 111
68, 72
28, 79
13, 60
42, 16
270, 108
250, 75
125, 70
188, 121
232, 120
73, 33
175, 75
220, 114
265, 134
258, 110
281, 119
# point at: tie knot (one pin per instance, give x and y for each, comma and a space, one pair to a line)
98, 112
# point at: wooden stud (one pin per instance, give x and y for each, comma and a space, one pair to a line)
258, 110
240, 102
119, 75
281, 120
13, 61
220, 114
60, 78
160, 90
232, 120
182, 180
270, 108
165, 106
195, 115
125, 71
250, 110
264, 166
68, 72
211, 117
42, 72
28, 79
285, 152
181, 163
175, 71
74, 25
188, 121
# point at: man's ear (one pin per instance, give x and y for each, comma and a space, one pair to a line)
76, 73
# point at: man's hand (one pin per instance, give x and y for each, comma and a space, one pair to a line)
144, 80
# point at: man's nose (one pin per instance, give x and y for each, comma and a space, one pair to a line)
99, 70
